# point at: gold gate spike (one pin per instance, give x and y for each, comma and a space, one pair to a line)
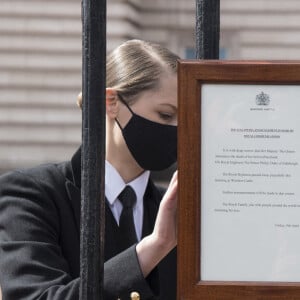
135, 296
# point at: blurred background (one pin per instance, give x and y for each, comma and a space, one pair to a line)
40, 59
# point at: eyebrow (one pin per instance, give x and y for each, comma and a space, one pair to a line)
170, 105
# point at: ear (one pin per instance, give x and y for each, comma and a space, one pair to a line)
79, 103
112, 105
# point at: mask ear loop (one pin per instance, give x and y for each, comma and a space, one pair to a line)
125, 103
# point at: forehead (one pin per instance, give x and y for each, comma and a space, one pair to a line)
165, 94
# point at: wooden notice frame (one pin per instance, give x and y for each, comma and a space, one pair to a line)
191, 76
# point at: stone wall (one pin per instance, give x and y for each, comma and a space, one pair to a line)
40, 59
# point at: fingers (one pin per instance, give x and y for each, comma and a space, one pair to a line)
171, 193
174, 178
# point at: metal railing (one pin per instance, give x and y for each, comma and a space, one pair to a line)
93, 150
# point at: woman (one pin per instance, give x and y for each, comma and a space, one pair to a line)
40, 207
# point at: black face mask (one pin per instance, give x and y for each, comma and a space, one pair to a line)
153, 145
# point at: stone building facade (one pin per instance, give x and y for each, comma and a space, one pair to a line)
40, 59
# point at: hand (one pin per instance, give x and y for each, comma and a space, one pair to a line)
153, 248
165, 230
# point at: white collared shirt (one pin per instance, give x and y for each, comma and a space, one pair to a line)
114, 185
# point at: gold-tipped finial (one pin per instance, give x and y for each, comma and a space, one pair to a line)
135, 296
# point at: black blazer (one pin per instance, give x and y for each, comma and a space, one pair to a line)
39, 240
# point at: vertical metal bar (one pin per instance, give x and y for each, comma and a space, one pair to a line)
93, 150
207, 29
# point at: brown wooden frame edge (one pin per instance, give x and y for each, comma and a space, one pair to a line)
191, 75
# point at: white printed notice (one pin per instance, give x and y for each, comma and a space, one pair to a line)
250, 182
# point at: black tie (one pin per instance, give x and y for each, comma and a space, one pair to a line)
126, 223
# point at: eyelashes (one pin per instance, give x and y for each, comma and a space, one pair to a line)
166, 116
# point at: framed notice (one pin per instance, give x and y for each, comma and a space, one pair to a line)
239, 180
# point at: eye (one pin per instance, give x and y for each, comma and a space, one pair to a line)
166, 116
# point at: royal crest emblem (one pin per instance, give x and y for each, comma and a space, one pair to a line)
262, 99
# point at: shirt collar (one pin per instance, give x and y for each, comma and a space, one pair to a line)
114, 184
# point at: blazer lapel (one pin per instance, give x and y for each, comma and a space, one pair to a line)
74, 194
152, 199
73, 186
111, 231
111, 234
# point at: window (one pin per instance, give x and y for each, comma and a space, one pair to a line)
190, 53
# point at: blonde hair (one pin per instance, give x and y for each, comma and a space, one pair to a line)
137, 66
